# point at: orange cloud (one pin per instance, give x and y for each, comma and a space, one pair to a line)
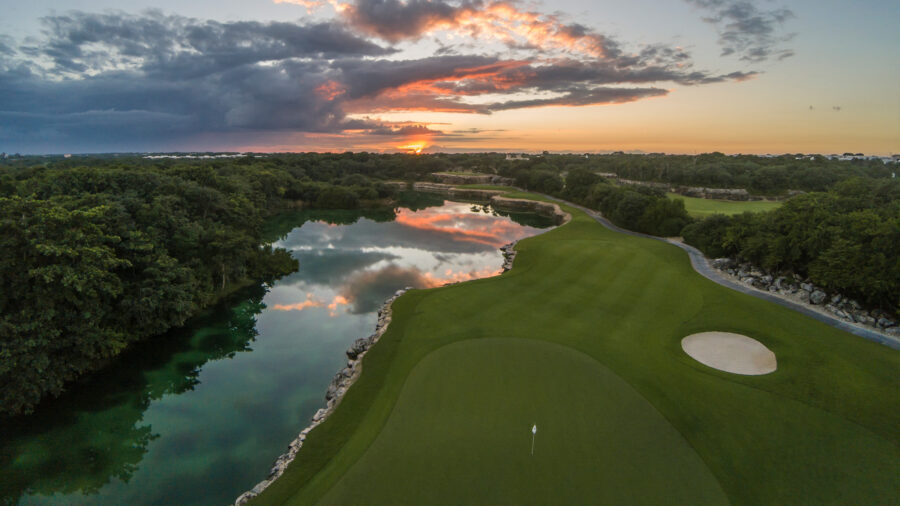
300, 306
432, 281
330, 90
478, 229
500, 21
311, 301
339, 300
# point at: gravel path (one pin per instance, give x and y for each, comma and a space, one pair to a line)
702, 266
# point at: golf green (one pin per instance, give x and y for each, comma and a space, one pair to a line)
823, 428
701, 208
467, 411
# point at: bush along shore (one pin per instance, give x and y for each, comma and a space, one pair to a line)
804, 291
336, 390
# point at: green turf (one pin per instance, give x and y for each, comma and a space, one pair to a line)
467, 410
701, 208
823, 428
461, 173
486, 187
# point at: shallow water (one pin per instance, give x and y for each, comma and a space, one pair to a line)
198, 416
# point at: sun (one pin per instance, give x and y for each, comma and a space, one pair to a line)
414, 148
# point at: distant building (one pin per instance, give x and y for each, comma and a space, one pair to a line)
67, 155
516, 157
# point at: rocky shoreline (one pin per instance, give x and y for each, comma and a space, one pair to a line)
803, 291
509, 255
336, 390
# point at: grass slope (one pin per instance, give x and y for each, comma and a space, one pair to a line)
701, 208
824, 428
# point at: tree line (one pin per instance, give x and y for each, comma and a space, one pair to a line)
100, 252
846, 239
107, 252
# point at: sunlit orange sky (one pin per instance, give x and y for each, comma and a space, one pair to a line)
679, 76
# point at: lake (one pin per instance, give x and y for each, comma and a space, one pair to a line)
198, 415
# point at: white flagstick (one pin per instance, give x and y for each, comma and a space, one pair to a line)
533, 432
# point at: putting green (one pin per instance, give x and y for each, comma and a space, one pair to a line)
467, 409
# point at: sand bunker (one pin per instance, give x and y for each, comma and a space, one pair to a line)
730, 352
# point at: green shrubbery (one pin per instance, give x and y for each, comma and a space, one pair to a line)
846, 239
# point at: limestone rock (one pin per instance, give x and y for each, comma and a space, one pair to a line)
358, 347
817, 297
723, 263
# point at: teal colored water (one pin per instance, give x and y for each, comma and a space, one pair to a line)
198, 416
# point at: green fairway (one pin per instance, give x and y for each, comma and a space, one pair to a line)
701, 208
497, 187
591, 323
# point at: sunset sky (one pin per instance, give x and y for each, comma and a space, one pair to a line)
679, 76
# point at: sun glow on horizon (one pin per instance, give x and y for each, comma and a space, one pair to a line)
414, 148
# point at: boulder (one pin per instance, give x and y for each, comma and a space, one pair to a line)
803, 295
807, 286
864, 319
817, 297
359, 346
885, 323
836, 299
723, 263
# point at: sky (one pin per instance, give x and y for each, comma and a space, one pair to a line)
675, 76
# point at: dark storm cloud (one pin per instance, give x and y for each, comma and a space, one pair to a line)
114, 81
445, 82
153, 78
746, 30
578, 97
402, 131
329, 267
184, 47
394, 20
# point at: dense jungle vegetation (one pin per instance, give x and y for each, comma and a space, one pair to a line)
846, 239
99, 252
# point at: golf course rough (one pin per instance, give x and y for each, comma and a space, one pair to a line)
437, 407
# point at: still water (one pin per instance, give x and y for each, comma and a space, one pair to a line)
198, 416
